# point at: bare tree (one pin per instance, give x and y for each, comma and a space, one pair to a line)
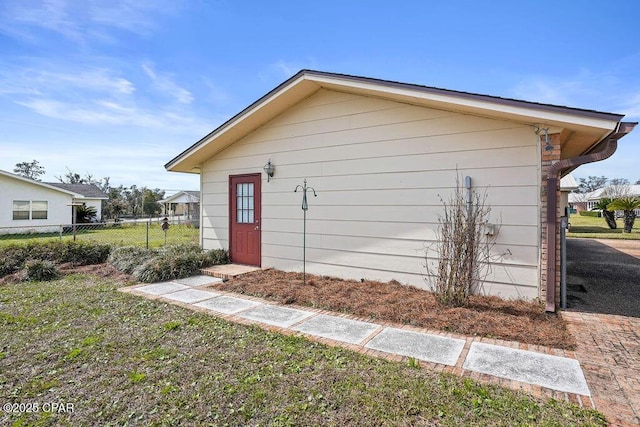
463, 251
618, 188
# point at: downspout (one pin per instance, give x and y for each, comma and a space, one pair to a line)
610, 145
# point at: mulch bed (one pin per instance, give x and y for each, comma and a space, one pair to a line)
487, 316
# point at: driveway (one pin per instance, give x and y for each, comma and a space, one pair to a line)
603, 278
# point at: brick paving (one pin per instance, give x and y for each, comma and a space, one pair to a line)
609, 354
605, 322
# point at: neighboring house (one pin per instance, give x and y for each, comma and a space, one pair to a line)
567, 185
183, 203
27, 203
380, 156
589, 201
90, 195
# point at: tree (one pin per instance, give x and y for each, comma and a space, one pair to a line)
618, 188
150, 199
609, 216
75, 178
31, 170
116, 205
628, 205
592, 183
618, 181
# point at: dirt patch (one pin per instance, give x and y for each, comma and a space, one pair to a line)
100, 270
516, 320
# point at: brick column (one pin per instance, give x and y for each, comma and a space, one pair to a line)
549, 157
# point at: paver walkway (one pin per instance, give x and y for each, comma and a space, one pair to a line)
545, 372
604, 317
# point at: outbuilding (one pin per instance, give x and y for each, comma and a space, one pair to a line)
381, 155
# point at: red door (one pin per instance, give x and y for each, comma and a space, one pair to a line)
244, 219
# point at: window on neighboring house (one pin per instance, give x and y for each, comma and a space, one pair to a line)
39, 209
21, 209
26, 210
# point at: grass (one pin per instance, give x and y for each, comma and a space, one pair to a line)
596, 228
489, 316
124, 360
123, 235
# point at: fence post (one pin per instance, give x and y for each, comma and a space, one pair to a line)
147, 234
61, 228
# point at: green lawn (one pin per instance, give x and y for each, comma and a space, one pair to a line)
122, 235
596, 228
119, 359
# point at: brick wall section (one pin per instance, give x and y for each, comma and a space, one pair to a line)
549, 157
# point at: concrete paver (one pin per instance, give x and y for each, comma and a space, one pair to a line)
227, 305
427, 347
337, 328
558, 373
162, 288
191, 295
275, 315
200, 280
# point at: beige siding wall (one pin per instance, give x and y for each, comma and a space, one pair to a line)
379, 168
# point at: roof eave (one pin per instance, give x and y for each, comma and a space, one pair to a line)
307, 82
38, 183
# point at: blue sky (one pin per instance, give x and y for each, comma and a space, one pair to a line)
117, 88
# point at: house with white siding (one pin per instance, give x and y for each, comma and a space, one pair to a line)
26, 204
380, 155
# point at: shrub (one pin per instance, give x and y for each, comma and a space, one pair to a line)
464, 251
590, 213
219, 256
170, 262
79, 253
39, 270
127, 258
84, 253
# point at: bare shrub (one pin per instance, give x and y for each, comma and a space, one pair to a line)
463, 252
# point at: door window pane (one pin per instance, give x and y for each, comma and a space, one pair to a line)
244, 203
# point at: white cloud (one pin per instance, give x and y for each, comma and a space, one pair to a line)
39, 79
598, 91
560, 91
80, 21
100, 96
164, 83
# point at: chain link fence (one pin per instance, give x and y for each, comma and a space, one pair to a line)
145, 233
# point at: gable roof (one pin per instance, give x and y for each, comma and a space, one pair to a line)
191, 196
89, 191
568, 183
587, 127
634, 191
46, 185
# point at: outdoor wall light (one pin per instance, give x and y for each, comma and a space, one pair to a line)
547, 141
269, 169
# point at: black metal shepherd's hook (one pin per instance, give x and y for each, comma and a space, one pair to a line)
305, 208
